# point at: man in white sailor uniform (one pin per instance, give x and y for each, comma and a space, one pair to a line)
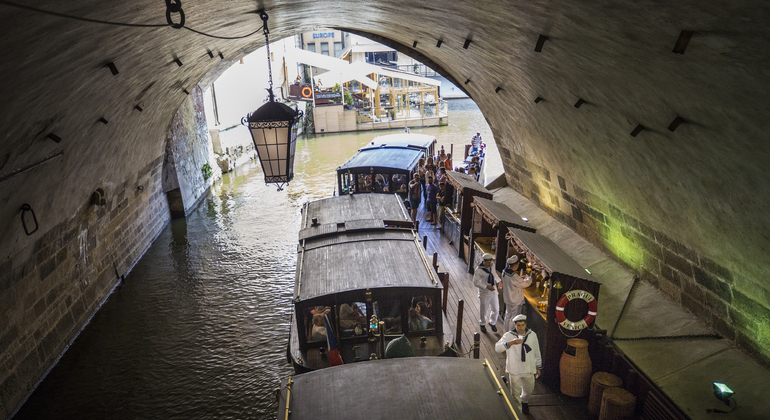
485, 278
523, 362
513, 290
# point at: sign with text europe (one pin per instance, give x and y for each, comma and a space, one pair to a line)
324, 35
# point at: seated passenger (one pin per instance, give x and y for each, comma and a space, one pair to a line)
417, 319
351, 316
318, 332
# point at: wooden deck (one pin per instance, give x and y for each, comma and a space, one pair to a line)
544, 403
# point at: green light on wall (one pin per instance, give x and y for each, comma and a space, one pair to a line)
624, 249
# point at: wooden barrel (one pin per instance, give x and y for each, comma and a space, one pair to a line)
600, 381
575, 368
617, 403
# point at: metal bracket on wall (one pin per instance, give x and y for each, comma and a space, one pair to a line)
27, 208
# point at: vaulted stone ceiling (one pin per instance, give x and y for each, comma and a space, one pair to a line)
694, 199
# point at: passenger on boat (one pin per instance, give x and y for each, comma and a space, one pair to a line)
415, 195
485, 278
350, 316
441, 175
442, 155
475, 144
472, 172
398, 182
318, 332
430, 168
418, 321
523, 362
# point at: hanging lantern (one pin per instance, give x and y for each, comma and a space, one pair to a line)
273, 129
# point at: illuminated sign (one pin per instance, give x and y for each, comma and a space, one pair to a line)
324, 35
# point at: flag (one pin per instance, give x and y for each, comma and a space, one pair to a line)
331, 342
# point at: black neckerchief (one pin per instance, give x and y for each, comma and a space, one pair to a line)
490, 278
525, 348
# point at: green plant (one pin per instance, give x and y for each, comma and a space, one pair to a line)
336, 88
207, 172
348, 99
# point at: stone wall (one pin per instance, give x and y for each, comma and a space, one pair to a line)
189, 167
700, 284
51, 288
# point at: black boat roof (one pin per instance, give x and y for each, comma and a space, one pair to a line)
360, 260
386, 157
404, 388
418, 141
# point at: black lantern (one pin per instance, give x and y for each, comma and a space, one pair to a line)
274, 130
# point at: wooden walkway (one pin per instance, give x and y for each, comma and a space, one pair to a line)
544, 403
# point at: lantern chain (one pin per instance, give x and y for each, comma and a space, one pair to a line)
266, 31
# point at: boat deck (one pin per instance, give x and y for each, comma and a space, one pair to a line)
544, 403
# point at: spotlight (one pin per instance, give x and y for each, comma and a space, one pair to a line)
722, 392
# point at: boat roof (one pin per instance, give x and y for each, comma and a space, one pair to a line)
398, 158
395, 389
550, 254
465, 181
419, 141
351, 208
360, 260
499, 212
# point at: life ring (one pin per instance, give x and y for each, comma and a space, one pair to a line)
306, 92
562, 303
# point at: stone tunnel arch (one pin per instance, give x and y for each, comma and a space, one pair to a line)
683, 205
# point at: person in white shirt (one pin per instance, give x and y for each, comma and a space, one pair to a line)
513, 290
485, 278
523, 362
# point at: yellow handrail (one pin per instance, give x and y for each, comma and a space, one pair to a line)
288, 397
500, 388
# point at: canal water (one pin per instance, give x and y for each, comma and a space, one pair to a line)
199, 327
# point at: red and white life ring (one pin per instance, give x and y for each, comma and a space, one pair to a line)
562, 303
306, 92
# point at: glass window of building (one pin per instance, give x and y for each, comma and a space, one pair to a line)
311, 47
325, 48
421, 314
337, 49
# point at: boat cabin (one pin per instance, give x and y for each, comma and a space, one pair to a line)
491, 221
456, 225
397, 389
562, 300
379, 169
358, 257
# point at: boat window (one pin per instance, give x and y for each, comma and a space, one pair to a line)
364, 183
398, 183
352, 318
347, 183
389, 311
421, 314
316, 325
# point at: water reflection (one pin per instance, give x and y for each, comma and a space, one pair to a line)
200, 326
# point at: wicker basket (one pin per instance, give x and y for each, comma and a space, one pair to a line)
575, 370
600, 382
617, 403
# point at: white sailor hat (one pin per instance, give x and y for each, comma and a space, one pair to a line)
488, 257
520, 317
513, 260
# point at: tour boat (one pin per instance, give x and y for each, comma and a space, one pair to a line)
362, 280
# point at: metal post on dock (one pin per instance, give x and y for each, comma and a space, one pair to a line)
382, 339
445, 283
425, 241
435, 260
458, 334
476, 345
